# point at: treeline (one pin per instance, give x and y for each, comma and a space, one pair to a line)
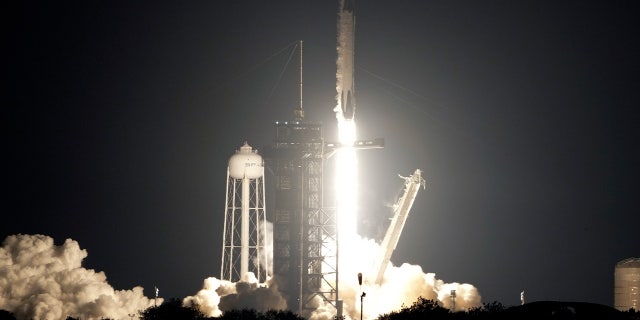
421, 309
430, 309
173, 310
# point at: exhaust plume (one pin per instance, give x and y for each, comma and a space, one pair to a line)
39, 280
402, 286
217, 296
266, 249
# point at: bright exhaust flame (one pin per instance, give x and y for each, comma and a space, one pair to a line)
357, 254
347, 132
346, 185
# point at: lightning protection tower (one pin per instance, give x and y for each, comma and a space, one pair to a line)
244, 235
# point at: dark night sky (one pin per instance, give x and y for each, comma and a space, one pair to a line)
120, 117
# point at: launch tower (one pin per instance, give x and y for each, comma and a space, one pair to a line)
304, 231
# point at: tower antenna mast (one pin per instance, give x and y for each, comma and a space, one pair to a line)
298, 112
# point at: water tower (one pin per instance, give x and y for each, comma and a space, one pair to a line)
627, 285
245, 234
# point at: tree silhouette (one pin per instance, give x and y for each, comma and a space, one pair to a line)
280, 315
239, 314
172, 310
633, 314
6, 315
251, 314
420, 309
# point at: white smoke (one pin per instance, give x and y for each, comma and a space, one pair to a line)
217, 296
402, 286
39, 280
265, 249
208, 299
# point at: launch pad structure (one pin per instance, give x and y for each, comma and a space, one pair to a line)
305, 260
304, 264
305, 232
305, 257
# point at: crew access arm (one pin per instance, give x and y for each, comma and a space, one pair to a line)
401, 212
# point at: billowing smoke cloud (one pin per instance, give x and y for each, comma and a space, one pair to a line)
39, 280
402, 286
217, 296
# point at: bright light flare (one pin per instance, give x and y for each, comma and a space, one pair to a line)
347, 190
347, 132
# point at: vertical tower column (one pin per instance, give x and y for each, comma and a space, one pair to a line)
244, 252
